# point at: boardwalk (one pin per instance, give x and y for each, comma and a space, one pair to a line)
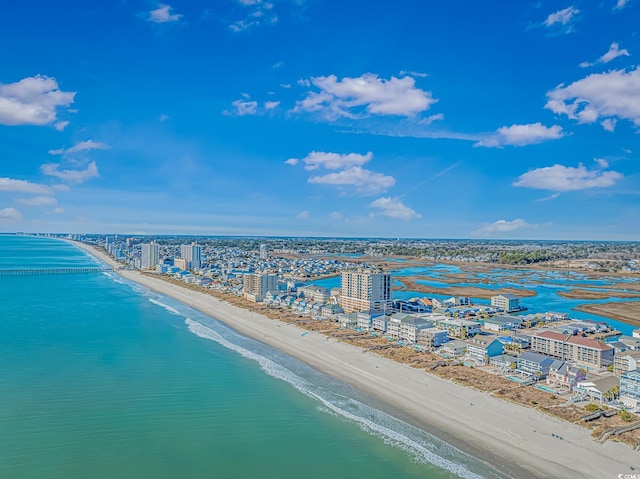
53, 271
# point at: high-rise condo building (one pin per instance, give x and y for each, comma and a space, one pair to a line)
256, 286
263, 251
193, 254
365, 289
150, 255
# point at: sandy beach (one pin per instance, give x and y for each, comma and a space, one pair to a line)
513, 438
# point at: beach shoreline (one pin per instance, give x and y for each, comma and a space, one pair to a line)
498, 432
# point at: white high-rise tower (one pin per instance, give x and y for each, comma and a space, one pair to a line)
150, 255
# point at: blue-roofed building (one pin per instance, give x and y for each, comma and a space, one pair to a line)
630, 388
534, 364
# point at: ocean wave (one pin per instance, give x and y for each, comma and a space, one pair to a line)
165, 306
370, 420
114, 277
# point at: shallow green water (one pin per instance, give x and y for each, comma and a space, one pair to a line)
104, 380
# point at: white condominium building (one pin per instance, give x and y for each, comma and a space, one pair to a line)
365, 289
193, 254
150, 255
256, 286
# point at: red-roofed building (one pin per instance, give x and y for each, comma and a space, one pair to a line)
581, 351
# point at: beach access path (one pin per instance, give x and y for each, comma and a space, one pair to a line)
507, 432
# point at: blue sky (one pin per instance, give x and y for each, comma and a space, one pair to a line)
323, 118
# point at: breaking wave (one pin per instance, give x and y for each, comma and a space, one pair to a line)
391, 430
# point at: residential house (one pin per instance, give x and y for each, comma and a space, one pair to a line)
480, 349
535, 364
625, 362
598, 389
631, 342
380, 323
459, 328
395, 324
453, 348
411, 326
502, 323
618, 347
630, 388
365, 319
317, 293
348, 320
329, 311
564, 375
432, 337
504, 362
507, 302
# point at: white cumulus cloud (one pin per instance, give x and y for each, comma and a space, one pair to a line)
259, 12
32, 101
521, 135
38, 201
394, 208
365, 96
613, 53
562, 178
331, 161
561, 17
362, 180
243, 107
609, 124
621, 4
10, 214
163, 14
71, 176
502, 226
82, 146
598, 96
23, 186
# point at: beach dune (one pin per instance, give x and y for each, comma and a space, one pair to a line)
518, 440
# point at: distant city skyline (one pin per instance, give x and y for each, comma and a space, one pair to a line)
323, 119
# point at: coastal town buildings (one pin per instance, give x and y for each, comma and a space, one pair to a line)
630, 388
625, 362
150, 256
506, 302
586, 352
256, 286
537, 365
365, 289
480, 349
317, 293
563, 375
598, 389
431, 338
459, 328
192, 253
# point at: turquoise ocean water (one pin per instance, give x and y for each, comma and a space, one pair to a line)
100, 378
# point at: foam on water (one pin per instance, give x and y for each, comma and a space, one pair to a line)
368, 419
165, 306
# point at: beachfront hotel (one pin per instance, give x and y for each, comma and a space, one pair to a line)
192, 253
256, 286
365, 289
150, 256
582, 351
